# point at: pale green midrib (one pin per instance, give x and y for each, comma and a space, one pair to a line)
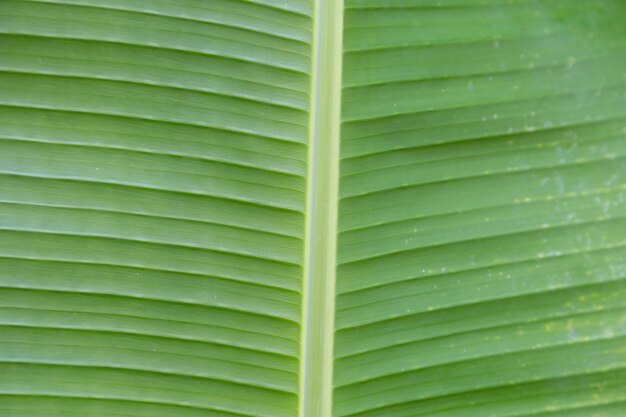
318, 300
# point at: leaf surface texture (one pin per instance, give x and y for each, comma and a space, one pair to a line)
157, 166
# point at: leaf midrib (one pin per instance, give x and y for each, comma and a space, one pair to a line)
318, 290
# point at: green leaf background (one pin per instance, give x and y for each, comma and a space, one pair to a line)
167, 201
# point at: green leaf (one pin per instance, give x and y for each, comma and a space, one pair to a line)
277, 208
